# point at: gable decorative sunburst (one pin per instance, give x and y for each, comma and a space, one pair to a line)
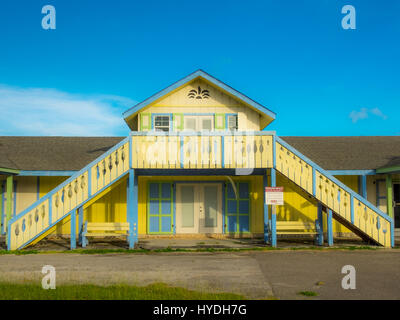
199, 93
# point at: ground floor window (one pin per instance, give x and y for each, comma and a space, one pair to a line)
237, 217
160, 208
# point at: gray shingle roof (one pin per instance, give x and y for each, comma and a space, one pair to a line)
349, 153
52, 153
73, 153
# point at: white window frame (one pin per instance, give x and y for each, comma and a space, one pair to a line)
227, 122
169, 122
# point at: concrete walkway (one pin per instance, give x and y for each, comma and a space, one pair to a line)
257, 275
61, 244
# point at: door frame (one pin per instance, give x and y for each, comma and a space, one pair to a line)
221, 204
394, 203
220, 218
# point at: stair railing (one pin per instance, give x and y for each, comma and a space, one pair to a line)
69, 195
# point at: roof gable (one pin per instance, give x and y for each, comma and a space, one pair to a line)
198, 94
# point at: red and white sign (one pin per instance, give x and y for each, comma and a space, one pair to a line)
274, 195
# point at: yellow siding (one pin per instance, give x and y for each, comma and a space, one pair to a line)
298, 205
49, 183
180, 97
26, 192
109, 208
350, 181
112, 207
256, 196
219, 102
301, 207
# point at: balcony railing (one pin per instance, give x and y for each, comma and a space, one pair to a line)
201, 150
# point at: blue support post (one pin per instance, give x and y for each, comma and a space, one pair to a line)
352, 209
132, 208
266, 214
314, 185
329, 227
364, 186
80, 224
50, 213
320, 228
392, 234
273, 211
89, 182
73, 229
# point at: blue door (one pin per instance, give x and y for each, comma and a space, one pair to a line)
160, 208
237, 217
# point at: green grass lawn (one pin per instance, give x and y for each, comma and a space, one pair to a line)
157, 291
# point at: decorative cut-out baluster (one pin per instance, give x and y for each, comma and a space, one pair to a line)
104, 168
116, 158
83, 182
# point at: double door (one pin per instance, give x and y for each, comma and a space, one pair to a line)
198, 208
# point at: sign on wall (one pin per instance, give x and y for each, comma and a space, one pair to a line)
274, 195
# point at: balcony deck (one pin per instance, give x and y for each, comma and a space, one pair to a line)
202, 150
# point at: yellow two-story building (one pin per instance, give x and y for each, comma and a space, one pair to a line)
197, 162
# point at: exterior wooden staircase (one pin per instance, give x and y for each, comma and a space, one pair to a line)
87, 185
348, 207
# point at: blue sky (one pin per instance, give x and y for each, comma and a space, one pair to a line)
291, 56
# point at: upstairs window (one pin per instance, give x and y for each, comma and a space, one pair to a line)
162, 123
232, 122
199, 123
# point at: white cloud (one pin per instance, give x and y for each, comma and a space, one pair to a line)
378, 113
36, 111
364, 114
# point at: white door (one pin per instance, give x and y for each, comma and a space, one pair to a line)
187, 208
198, 208
210, 208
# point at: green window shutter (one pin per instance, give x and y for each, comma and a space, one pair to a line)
145, 121
219, 121
178, 121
